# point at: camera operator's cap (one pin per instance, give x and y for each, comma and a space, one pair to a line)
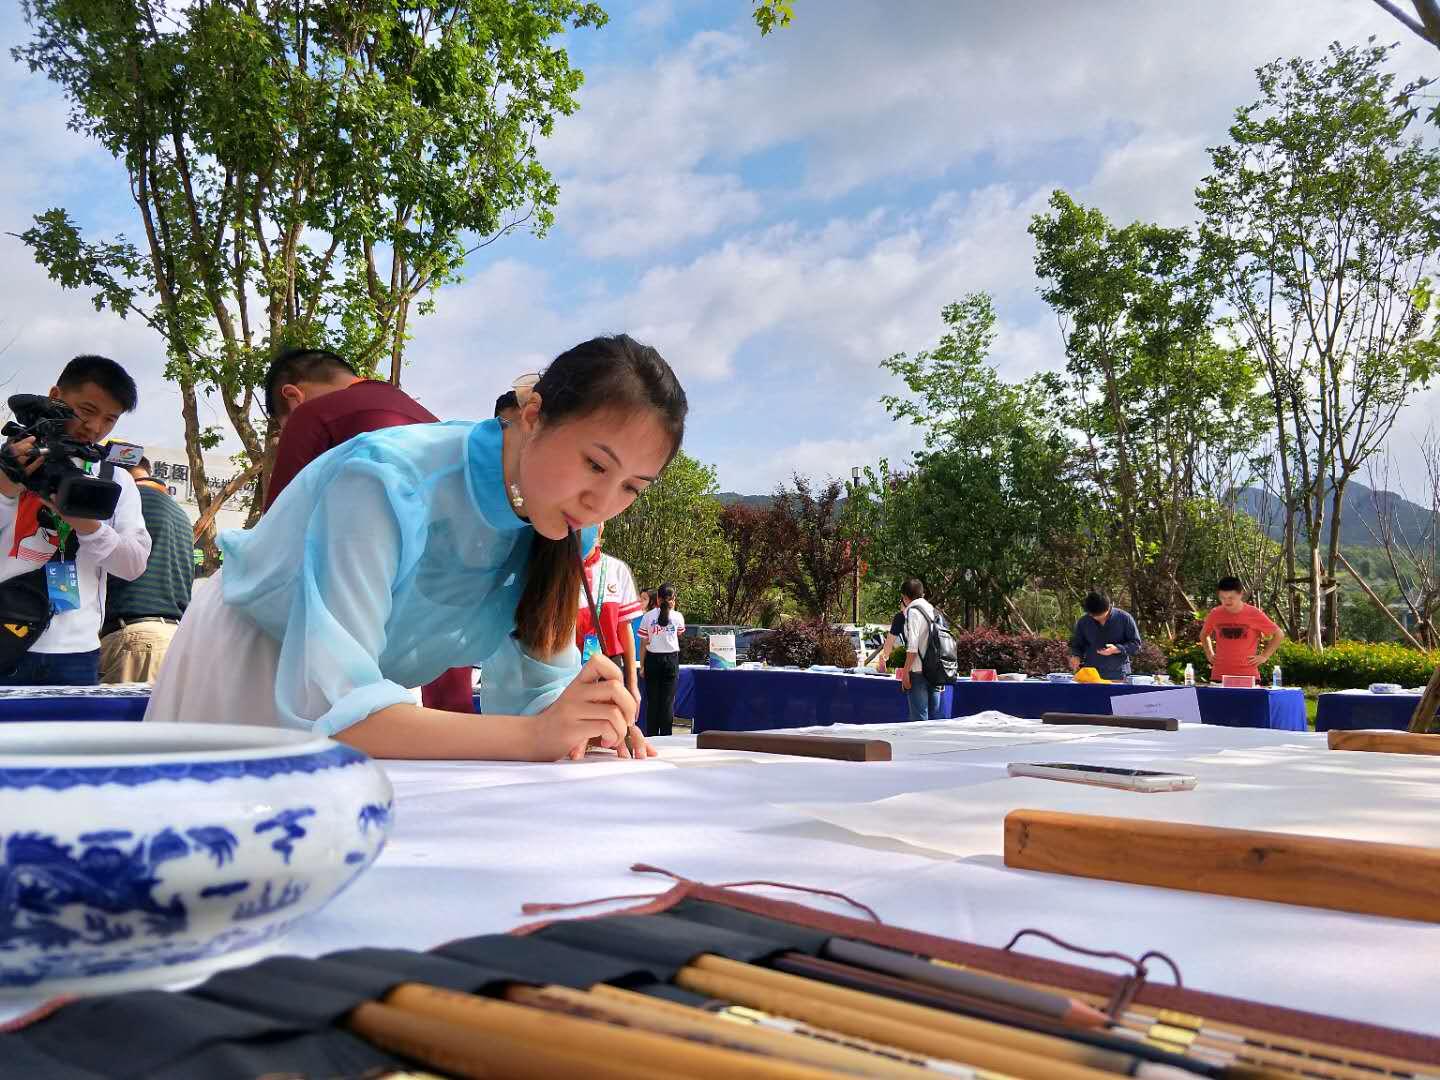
524, 386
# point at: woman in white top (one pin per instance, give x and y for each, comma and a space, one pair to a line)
660, 631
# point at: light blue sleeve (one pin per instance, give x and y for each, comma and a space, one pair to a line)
517, 684
329, 676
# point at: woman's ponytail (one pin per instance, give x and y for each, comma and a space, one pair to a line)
667, 598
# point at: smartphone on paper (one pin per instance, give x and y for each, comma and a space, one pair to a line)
1125, 779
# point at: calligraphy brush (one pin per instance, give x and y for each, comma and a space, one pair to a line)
630, 745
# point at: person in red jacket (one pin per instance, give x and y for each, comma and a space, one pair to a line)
319, 401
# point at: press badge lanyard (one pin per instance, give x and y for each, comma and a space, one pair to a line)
62, 579
592, 640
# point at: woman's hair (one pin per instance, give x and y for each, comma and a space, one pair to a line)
667, 596
603, 373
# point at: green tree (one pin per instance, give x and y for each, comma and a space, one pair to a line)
672, 533
1321, 217
302, 171
1162, 408
992, 487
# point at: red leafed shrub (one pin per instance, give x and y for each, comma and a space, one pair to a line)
801, 642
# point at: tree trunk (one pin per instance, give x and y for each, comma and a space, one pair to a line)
1332, 597
204, 539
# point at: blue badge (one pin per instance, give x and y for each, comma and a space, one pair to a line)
62, 582
590, 648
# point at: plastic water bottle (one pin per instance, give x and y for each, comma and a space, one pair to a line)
1189, 674
1275, 682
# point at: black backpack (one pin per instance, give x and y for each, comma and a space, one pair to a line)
940, 663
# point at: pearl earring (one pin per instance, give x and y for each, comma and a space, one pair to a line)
516, 499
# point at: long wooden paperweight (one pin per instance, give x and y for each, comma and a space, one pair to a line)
1150, 723
1395, 880
818, 746
1385, 742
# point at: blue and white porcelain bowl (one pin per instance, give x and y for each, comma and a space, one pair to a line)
140, 854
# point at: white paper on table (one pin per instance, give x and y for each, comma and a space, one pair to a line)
1288, 790
1182, 704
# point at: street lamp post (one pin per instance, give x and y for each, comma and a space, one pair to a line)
855, 550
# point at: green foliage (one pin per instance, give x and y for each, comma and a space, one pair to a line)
672, 533
770, 14
303, 171
1346, 665
1164, 412
1321, 216
991, 488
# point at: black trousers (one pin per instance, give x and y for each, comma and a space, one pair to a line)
662, 672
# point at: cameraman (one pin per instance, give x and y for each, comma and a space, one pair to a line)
68, 652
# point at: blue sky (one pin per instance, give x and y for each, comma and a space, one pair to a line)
776, 215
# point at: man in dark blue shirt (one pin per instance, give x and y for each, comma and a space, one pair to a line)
1105, 638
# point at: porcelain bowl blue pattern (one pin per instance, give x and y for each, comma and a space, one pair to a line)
139, 854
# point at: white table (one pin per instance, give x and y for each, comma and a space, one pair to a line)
474, 841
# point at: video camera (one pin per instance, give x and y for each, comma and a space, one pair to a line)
61, 477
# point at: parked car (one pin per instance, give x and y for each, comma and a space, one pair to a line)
745, 640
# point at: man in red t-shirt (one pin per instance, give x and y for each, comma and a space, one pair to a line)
1237, 637
319, 402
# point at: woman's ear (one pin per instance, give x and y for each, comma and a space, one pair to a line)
529, 417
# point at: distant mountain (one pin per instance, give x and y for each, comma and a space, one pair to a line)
760, 502
1364, 508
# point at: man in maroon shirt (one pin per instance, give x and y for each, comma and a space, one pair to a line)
319, 402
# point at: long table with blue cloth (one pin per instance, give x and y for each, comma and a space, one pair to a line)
743, 699
763, 699
1359, 710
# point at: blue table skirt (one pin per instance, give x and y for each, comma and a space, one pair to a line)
1355, 712
16, 707
1284, 709
758, 700
74, 704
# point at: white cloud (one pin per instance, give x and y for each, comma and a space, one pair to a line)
644, 212
760, 471
777, 290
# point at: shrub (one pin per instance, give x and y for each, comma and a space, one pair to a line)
694, 649
1150, 660
801, 642
1342, 666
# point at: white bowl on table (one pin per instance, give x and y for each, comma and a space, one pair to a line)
142, 854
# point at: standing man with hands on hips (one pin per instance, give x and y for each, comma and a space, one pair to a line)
1237, 637
75, 555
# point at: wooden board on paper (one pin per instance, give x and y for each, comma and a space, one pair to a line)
1183, 703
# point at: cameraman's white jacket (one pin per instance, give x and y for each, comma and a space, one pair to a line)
121, 546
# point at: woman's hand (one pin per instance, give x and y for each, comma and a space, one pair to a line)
596, 706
